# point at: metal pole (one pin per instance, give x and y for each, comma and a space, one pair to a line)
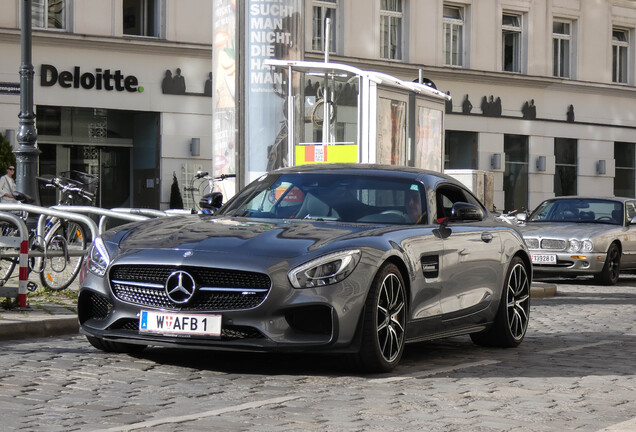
26, 153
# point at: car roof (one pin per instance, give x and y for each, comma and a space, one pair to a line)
364, 168
591, 197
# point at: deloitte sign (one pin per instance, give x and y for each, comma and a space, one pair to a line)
100, 80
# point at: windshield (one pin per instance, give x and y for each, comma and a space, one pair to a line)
324, 196
580, 211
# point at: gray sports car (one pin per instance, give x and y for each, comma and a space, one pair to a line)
570, 236
351, 259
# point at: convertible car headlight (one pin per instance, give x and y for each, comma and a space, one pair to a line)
326, 270
98, 258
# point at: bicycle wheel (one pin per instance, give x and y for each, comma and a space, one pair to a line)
7, 264
60, 271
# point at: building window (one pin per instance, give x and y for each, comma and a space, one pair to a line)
565, 169
141, 17
625, 177
460, 150
511, 40
321, 10
453, 21
516, 172
391, 17
49, 14
620, 47
561, 46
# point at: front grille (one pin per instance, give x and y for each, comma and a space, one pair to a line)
532, 243
92, 305
547, 244
233, 290
553, 244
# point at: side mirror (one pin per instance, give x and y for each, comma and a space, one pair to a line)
633, 221
463, 211
522, 217
212, 201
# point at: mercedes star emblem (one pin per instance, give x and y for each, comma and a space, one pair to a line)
180, 287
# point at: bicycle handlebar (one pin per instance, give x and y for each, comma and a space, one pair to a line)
58, 183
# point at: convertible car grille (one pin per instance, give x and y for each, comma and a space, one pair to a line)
547, 244
232, 290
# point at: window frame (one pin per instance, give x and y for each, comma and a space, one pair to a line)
318, 35
624, 163
561, 165
44, 4
448, 26
158, 18
558, 42
518, 49
389, 15
621, 49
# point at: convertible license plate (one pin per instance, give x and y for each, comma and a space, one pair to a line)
177, 323
544, 259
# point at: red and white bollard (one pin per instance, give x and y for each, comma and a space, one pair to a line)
24, 274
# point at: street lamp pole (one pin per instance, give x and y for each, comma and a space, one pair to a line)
26, 153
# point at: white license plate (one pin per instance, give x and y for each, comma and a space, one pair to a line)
177, 323
544, 259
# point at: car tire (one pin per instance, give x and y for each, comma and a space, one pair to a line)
513, 312
115, 347
611, 270
384, 322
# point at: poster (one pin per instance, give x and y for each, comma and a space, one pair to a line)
273, 32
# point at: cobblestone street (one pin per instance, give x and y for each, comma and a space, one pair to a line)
574, 371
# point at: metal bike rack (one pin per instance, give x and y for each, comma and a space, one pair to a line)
104, 214
21, 290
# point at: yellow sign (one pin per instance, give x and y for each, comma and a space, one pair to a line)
310, 154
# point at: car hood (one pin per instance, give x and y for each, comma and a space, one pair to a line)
281, 238
564, 230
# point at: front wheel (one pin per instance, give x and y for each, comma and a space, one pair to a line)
513, 313
66, 239
384, 323
612, 268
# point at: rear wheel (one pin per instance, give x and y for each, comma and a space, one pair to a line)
384, 324
513, 313
116, 347
64, 239
611, 269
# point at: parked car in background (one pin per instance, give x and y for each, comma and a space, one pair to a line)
347, 258
571, 236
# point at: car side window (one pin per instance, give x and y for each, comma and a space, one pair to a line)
630, 207
447, 195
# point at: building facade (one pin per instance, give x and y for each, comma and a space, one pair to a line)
543, 92
121, 90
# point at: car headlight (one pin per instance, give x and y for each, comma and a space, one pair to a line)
326, 270
98, 258
581, 245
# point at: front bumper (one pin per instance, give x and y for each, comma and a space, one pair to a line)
288, 319
570, 263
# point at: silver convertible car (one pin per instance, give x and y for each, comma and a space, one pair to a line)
350, 259
572, 236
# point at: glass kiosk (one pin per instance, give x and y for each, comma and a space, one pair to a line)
371, 117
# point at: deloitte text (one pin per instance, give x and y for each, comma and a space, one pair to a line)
100, 80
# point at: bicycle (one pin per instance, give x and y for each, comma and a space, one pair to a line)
62, 237
210, 189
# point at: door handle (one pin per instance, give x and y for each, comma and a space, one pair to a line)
486, 237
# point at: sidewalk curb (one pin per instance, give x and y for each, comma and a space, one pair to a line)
542, 290
40, 328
